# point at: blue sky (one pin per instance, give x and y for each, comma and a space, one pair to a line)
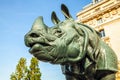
16, 18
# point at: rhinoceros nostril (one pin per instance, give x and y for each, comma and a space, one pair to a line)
34, 35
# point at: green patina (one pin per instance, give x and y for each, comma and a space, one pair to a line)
78, 48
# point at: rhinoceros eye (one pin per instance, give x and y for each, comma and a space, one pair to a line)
58, 32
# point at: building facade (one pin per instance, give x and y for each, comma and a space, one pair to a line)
104, 16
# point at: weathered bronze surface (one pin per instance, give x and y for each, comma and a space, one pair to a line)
78, 48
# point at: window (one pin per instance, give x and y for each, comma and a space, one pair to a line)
102, 33
96, 1
100, 20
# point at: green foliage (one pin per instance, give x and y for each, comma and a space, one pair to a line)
23, 72
34, 71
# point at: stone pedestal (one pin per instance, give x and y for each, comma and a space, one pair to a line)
118, 73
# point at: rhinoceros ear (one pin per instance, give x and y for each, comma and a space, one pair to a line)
65, 11
54, 18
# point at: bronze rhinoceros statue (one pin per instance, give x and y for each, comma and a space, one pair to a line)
77, 47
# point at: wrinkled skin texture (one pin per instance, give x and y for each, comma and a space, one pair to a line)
75, 46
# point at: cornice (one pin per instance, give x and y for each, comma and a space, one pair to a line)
101, 12
92, 6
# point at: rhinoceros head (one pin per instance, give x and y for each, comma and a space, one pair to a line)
58, 44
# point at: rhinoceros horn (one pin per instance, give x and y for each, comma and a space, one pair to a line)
39, 24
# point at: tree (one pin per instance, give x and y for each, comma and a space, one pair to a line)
23, 72
34, 71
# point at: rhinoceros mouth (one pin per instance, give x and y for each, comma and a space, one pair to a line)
43, 44
37, 48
